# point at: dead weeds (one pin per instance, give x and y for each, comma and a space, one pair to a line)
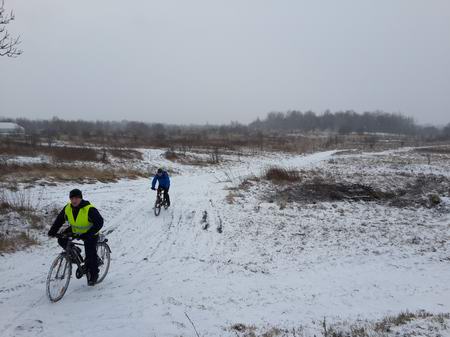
15, 242
314, 186
50, 173
280, 174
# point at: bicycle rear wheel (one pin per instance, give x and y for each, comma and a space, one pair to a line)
58, 278
104, 259
157, 207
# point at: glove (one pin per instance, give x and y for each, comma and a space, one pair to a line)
154, 189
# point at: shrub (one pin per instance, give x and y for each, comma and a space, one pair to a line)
281, 174
171, 155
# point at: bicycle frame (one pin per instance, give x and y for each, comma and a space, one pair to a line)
72, 253
161, 197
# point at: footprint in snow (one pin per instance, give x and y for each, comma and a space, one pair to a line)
30, 326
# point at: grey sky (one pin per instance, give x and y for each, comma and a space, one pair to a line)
217, 61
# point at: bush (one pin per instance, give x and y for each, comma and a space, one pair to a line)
281, 174
171, 155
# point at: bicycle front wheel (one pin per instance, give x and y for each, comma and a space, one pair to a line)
104, 259
58, 278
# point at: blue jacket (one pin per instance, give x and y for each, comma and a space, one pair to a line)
163, 180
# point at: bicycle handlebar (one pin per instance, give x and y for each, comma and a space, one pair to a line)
66, 236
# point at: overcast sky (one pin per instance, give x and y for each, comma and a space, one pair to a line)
217, 61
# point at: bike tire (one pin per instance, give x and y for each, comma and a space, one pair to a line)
105, 256
61, 261
157, 208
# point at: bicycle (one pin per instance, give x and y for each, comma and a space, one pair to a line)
160, 202
60, 272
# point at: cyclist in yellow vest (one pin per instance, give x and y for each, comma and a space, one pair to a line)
85, 222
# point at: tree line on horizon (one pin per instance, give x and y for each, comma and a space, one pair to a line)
341, 123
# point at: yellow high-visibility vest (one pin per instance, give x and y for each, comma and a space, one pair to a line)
81, 224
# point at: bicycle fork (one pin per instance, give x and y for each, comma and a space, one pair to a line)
57, 276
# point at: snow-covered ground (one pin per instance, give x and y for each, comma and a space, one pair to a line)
221, 263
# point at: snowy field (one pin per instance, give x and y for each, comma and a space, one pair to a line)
251, 263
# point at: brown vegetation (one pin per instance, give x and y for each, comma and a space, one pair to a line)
313, 186
66, 153
20, 217
191, 159
12, 243
21, 204
382, 328
289, 137
280, 174
434, 149
126, 154
30, 173
12, 239
334, 191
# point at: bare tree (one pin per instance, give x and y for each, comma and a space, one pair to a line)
8, 44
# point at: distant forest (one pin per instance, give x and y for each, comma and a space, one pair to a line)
341, 122
346, 122
276, 125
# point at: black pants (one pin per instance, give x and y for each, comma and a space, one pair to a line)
166, 194
90, 249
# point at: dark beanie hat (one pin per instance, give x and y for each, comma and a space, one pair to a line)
75, 193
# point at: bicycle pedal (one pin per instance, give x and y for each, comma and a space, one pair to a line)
80, 272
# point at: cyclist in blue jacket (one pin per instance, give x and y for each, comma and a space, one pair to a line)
162, 177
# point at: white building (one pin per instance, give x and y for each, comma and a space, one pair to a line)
7, 128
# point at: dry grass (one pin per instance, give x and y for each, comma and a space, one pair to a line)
31, 173
21, 203
129, 154
382, 328
445, 149
56, 153
193, 160
231, 197
61, 154
171, 155
68, 153
248, 182
21, 215
386, 324
13, 243
334, 183
280, 174
244, 185
251, 331
244, 330
327, 190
